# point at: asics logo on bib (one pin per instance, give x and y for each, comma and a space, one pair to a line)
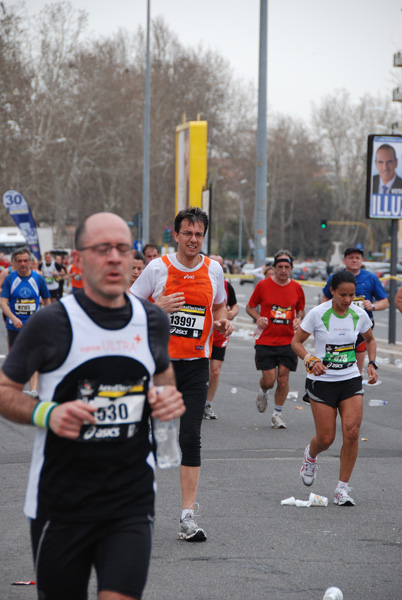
188, 277
178, 331
107, 432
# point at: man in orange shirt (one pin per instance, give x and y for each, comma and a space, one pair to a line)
75, 274
194, 287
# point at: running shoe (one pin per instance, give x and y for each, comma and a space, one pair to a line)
308, 469
262, 401
190, 531
208, 412
342, 497
278, 422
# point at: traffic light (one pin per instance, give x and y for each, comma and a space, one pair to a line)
324, 223
167, 235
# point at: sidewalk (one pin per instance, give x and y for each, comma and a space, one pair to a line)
391, 351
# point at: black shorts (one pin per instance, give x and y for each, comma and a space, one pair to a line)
12, 336
269, 357
332, 392
64, 554
218, 353
192, 377
54, 293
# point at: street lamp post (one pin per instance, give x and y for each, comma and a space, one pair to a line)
147, 110
240, 227
260, 220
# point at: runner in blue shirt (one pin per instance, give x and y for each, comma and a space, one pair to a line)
20, 298
370, 294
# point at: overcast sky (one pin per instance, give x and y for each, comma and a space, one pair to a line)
314, 46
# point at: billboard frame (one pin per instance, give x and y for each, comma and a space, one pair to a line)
380, 205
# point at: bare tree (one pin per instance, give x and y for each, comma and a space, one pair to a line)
15, 85
342, 127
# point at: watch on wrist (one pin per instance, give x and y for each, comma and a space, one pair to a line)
372, 362
373, 307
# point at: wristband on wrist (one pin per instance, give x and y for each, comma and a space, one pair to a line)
309, 365
306, 359
41, 414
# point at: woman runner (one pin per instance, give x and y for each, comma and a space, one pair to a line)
334, 382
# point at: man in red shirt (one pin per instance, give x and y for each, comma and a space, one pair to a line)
4, 263
281, 301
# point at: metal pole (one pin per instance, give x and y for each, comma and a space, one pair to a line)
260, 219
392, 283
147, 110
211, 208
240, 227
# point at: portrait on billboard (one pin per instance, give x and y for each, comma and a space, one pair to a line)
384, 177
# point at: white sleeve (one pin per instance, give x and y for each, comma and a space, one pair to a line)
145, 285
258, 273
308, 323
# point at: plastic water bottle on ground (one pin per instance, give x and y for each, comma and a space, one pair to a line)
374, 402
167, 445
333, 593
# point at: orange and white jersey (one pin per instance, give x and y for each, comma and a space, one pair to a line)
191, 331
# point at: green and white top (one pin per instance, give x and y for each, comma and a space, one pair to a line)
335, 339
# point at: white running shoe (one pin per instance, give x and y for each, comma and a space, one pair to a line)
342, 497
190, 531
208, 412
262, 401
308, 469
278, 422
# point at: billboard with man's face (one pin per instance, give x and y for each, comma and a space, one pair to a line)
384, 177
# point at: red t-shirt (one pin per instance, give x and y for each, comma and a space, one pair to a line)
4, 264
279, 304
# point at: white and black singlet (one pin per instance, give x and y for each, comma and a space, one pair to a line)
107, 356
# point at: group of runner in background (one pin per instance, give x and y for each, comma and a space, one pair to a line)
190, 297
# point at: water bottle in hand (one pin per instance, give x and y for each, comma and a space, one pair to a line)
167, 445
259, 330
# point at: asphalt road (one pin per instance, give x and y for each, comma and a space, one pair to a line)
256, 548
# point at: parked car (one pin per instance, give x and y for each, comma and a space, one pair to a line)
387, 285
384, 271
303, 271
299, 273
375, 267
247, 270
386, 282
